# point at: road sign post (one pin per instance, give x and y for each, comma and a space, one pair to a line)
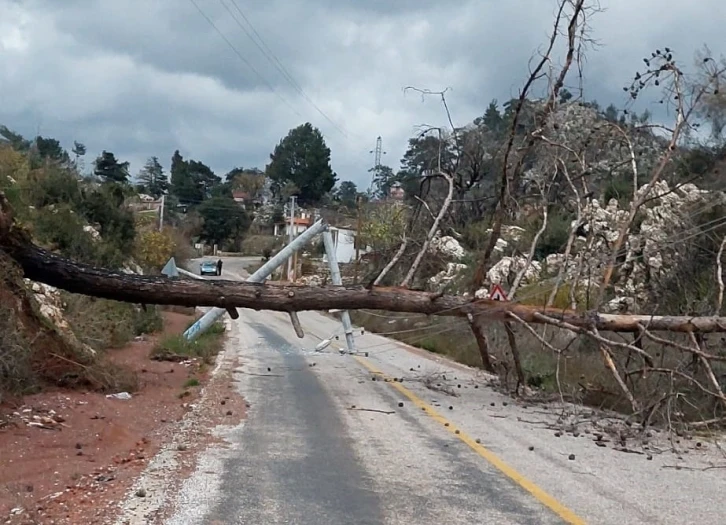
497, 293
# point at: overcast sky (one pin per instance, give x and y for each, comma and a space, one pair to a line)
146, 77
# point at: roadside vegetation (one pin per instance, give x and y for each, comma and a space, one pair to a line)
569, 203
205, 347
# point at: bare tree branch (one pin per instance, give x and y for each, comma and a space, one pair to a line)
507, 179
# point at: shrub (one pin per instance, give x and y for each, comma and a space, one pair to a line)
554, 238
175, 347
260, 244
538, 294
475, 236
620, 189
60, 228
104, 324
153, 249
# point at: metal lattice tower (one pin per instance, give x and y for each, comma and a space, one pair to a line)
377, 154
379, 148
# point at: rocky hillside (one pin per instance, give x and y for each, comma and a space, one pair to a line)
49, 337
655, 252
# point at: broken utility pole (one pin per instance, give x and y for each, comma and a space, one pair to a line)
209, 318
338, 280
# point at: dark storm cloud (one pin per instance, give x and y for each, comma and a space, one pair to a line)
143, 77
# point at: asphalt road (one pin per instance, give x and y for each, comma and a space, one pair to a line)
232, 267
325, 443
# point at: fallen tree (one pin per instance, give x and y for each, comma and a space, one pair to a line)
46, 267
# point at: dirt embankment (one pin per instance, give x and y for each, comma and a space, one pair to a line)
69, 456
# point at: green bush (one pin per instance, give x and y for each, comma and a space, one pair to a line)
475, 236
260, 244
554, 238
620, 189
104, 206
206, 346
60, 228
56, 205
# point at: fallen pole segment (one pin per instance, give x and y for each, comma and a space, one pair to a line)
338, 281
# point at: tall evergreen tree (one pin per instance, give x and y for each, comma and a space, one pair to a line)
153, 178
108, 168
303, 159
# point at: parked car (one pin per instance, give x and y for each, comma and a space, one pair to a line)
208, 268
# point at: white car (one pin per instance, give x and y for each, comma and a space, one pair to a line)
208, 268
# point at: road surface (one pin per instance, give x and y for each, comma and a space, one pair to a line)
332, 439
232, 267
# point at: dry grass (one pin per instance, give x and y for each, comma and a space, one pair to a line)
104, 324
16, 371
446, 336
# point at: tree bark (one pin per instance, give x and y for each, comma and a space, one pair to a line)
478, 328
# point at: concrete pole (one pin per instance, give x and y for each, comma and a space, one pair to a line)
209, 318
161, 213
291, 235
337, 280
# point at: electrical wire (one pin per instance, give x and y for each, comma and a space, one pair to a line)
272, 58
244, 60
429, 331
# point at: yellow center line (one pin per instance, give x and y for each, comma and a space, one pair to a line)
538, 493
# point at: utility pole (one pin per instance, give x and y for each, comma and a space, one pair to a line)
338, 281
161, 212
357, 239
291, 236
377, 153
259, 276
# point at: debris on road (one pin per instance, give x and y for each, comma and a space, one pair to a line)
125, 396
373, 410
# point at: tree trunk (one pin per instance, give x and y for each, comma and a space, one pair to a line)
479, 331
43, 266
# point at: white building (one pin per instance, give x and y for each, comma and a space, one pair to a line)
300, 224
344, 241
343, 236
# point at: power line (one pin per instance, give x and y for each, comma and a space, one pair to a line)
272, 58
281, 68
244, 60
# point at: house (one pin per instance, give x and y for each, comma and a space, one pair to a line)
240, 197
344, 242
143, 202
245, 200
299, 225
396, 192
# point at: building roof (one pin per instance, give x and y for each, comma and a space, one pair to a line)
302, 221
344, 226
240, 195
